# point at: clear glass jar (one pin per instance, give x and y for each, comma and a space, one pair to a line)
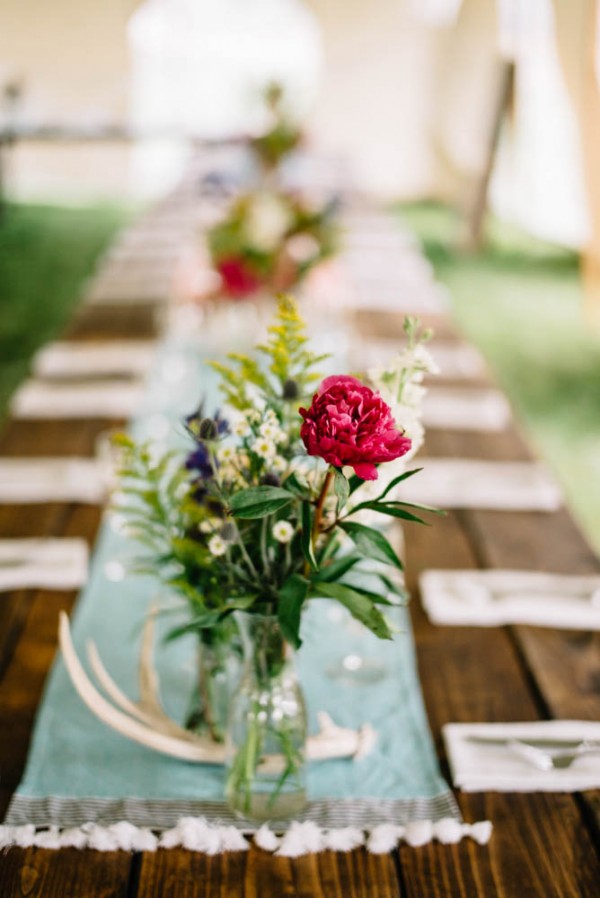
219, 672
267, 728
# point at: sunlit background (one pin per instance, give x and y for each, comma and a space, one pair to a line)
479, 121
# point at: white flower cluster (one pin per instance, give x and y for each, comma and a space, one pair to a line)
263, 437
400, 384
268, 220
270, 437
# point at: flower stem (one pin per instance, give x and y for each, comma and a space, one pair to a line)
316, 528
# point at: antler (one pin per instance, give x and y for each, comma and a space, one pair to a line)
147, 723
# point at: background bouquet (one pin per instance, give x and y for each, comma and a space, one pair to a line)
270, 239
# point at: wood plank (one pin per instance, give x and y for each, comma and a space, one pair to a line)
69, 873
187, 874
356, 874
116, 321
470, 674
29, 439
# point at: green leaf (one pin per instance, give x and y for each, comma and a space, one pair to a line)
306, 536
355, 481
291, 598
396, 481
259, 501
376, 598
371, 542
392, 510
342, 490
297, 484
359, 606
335, 570
201, 622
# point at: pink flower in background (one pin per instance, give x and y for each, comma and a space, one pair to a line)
349, 424
238, 279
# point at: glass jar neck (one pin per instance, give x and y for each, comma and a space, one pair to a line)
266, 654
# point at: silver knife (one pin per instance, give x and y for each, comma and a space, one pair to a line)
546, 743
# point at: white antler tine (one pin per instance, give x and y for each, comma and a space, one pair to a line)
201, 752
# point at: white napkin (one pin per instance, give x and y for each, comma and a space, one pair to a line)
453, 408
43, 563
472, 483
30, 481
40, 399
110, 357
494, 598
480, 767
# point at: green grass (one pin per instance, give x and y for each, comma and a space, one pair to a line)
520, 301
46, 252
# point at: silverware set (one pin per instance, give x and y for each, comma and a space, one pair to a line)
544, 754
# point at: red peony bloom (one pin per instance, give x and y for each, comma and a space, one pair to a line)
238, 279
349, 424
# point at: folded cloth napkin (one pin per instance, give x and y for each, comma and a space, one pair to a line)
500, 765
28, 481
465, 409
472, 483
39, 399
494, 598
43, 563
70, 360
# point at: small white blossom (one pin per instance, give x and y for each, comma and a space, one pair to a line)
279, 464
225, 454
264, 448
413, 395
268, 220
283, 531
241, 428
424, 360
217, 545
228, 472
408, 420
303, 247
270, 429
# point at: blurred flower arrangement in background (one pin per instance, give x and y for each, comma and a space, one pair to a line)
271, 236
269, 240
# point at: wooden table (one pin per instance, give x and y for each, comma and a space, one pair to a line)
543, 844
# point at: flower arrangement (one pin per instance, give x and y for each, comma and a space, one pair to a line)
270, 238
259, 518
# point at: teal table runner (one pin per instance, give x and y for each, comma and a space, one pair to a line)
79, 770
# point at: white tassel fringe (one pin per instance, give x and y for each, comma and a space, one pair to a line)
196, 834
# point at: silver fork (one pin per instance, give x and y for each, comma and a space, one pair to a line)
555, 760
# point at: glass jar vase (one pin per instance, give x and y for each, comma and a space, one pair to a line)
267, 728
218, 676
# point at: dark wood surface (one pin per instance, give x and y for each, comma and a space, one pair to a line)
543, 844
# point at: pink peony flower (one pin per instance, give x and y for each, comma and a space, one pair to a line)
349, 424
